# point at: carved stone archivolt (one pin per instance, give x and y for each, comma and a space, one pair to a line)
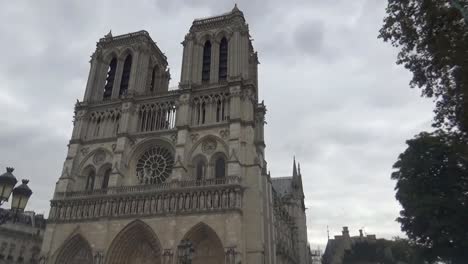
209, 146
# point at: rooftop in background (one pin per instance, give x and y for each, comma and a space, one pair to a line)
27, 218
336, 247
282, 185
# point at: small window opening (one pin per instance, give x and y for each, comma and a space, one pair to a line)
220, 168
206, 61
200, 172
90, 181
110, 79
223, 58
203, 112
153, 79
105, 180
125, 76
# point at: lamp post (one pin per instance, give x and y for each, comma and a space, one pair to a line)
185, 252
20, 195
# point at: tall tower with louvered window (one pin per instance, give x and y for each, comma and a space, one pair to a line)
163, 176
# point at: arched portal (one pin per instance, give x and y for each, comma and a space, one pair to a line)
75, 251
207, 245
135, 244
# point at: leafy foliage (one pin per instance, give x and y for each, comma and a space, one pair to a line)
433, 38
432, 187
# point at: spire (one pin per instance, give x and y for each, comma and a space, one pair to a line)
235, 9
294, 167
299, 168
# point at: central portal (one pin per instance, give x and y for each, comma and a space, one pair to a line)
135, 244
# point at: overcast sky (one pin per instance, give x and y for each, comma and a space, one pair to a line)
334, 95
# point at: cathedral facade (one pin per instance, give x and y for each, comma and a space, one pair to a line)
163, 176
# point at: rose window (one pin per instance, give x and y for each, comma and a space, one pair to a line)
155, 165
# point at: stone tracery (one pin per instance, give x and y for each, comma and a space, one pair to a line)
155, 165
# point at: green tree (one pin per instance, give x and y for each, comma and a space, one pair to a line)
432, 187
433, 40
405, 251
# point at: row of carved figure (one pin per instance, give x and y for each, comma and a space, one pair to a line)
150, 204
231, 256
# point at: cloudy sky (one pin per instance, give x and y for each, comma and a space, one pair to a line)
335, 97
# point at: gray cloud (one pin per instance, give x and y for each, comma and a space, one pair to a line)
334, 95
309, 37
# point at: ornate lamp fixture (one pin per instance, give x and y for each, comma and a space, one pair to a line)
185, 252
7, 183
20, 195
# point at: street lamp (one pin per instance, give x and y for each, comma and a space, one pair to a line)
20, 195
7, 182
185, 252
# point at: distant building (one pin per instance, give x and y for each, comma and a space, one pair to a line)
21, 238
336, 247
315, 256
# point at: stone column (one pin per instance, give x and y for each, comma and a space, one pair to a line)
187, 59
197, 63
214, 68
79, 124
90, 86
135, 69
99, 82
182, 124
127, 111
117, 78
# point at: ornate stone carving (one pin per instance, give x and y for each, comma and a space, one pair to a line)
194, 137
209, 146
167, 256
99, 257
174, 137
114, 146
231, 255
172, 197
224, 133
184, 99
126, 108
84, 151
99, 157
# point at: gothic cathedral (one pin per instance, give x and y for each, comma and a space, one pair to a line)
163, 176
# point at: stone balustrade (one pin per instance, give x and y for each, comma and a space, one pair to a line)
182, 197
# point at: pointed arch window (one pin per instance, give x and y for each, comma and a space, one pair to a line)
203, 113
206, 61
220, 168
125, 75
200, 170
153, 78
110, 79
90, 181
105, 180
223, 58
